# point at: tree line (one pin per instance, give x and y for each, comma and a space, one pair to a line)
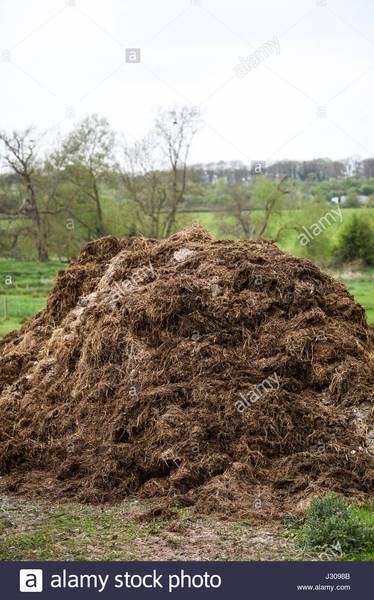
93, 182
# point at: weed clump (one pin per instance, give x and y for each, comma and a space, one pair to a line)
331, 522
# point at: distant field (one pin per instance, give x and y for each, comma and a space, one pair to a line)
363, 291
24, 287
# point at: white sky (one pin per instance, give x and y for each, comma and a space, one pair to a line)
60, 60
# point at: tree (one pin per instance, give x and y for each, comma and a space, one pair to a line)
251, 207
154, 169
367, 167
356, 242
351, 200
21, 157
175, 129
144, 184
87, 157
367, 187
284, 168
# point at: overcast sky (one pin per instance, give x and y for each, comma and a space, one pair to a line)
61, 60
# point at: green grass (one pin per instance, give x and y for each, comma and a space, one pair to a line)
18, 309
39, 530
69, 532
24, 287
363, 291
366, 514
8, 326
27, 278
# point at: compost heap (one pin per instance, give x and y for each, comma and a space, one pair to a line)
204, 372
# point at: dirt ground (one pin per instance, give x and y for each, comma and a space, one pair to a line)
45, 531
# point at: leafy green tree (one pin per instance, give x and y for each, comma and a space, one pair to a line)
251, 207
29, 210
356, 241
351, 200
367, 187
87, 156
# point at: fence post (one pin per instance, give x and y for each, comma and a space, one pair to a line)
5, 308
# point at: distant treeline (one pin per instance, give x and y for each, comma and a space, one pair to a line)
320, 169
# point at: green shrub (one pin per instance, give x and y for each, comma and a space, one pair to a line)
332, 522
356, 242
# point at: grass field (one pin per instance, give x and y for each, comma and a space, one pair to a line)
363, 291
44, 531
24, 287
38, 530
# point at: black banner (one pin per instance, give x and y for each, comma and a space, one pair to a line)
220, 580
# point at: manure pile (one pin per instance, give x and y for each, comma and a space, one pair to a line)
221, 374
